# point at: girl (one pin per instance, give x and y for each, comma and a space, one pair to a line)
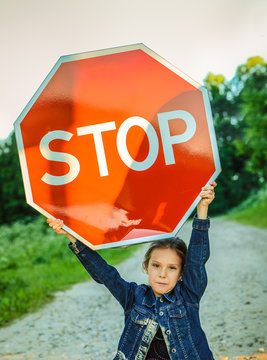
162, 318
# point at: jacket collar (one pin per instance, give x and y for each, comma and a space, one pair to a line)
149, 298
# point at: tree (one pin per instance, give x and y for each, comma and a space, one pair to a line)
12, 196
252, 143
235, 180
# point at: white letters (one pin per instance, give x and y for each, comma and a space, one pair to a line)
167, 139
152, 138
59, 156
96, 130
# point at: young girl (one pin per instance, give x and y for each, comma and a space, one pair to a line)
162, 318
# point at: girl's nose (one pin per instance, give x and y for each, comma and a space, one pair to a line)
163, 272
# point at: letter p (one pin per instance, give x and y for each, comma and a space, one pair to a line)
169, 140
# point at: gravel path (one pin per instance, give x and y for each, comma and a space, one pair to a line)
85, 322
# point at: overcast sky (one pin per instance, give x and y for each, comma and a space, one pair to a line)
195, 36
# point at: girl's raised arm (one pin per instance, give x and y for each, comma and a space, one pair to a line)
97, 267
208, 196
194, 276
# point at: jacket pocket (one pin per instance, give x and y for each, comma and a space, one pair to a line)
177, 312
138, 317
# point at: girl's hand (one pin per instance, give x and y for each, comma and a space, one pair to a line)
208, 195
56, 225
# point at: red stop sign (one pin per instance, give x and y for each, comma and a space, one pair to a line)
117, 143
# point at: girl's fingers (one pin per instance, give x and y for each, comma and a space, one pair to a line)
53, 222
213, 183
207, 196
207, 192
211, 188
56, 225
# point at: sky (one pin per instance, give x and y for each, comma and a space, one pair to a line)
196, 36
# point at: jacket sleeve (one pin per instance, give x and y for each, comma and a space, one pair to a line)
195, 276
104, 273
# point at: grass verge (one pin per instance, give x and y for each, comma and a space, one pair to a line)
253, 211
34, 263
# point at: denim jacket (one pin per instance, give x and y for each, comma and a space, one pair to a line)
177, 312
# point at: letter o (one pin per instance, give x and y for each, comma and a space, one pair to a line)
152, 138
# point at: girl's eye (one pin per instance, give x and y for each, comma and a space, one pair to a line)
155, 265
172, 267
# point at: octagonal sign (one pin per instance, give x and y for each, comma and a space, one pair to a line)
117, 143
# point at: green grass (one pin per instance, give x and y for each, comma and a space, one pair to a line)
34, 263
253, 211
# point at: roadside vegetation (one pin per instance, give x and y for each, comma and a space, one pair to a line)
253, 211
34, 263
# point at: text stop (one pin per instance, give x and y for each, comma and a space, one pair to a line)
96, 130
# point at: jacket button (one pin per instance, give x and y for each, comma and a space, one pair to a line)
161, 300
168, 332
161, 313
173, 351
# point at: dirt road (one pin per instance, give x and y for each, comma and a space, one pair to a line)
85, 322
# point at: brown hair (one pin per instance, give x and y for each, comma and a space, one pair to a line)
176, 244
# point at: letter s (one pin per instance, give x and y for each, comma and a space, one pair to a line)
71, 160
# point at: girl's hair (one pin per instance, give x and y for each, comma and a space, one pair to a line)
176, 244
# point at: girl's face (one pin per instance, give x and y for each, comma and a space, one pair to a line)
164, 270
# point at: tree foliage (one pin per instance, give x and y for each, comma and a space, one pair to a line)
253, 106
12, 197
239, 111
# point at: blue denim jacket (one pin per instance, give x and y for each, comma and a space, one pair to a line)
177, 312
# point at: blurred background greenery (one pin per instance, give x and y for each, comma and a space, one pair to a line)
34, 264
